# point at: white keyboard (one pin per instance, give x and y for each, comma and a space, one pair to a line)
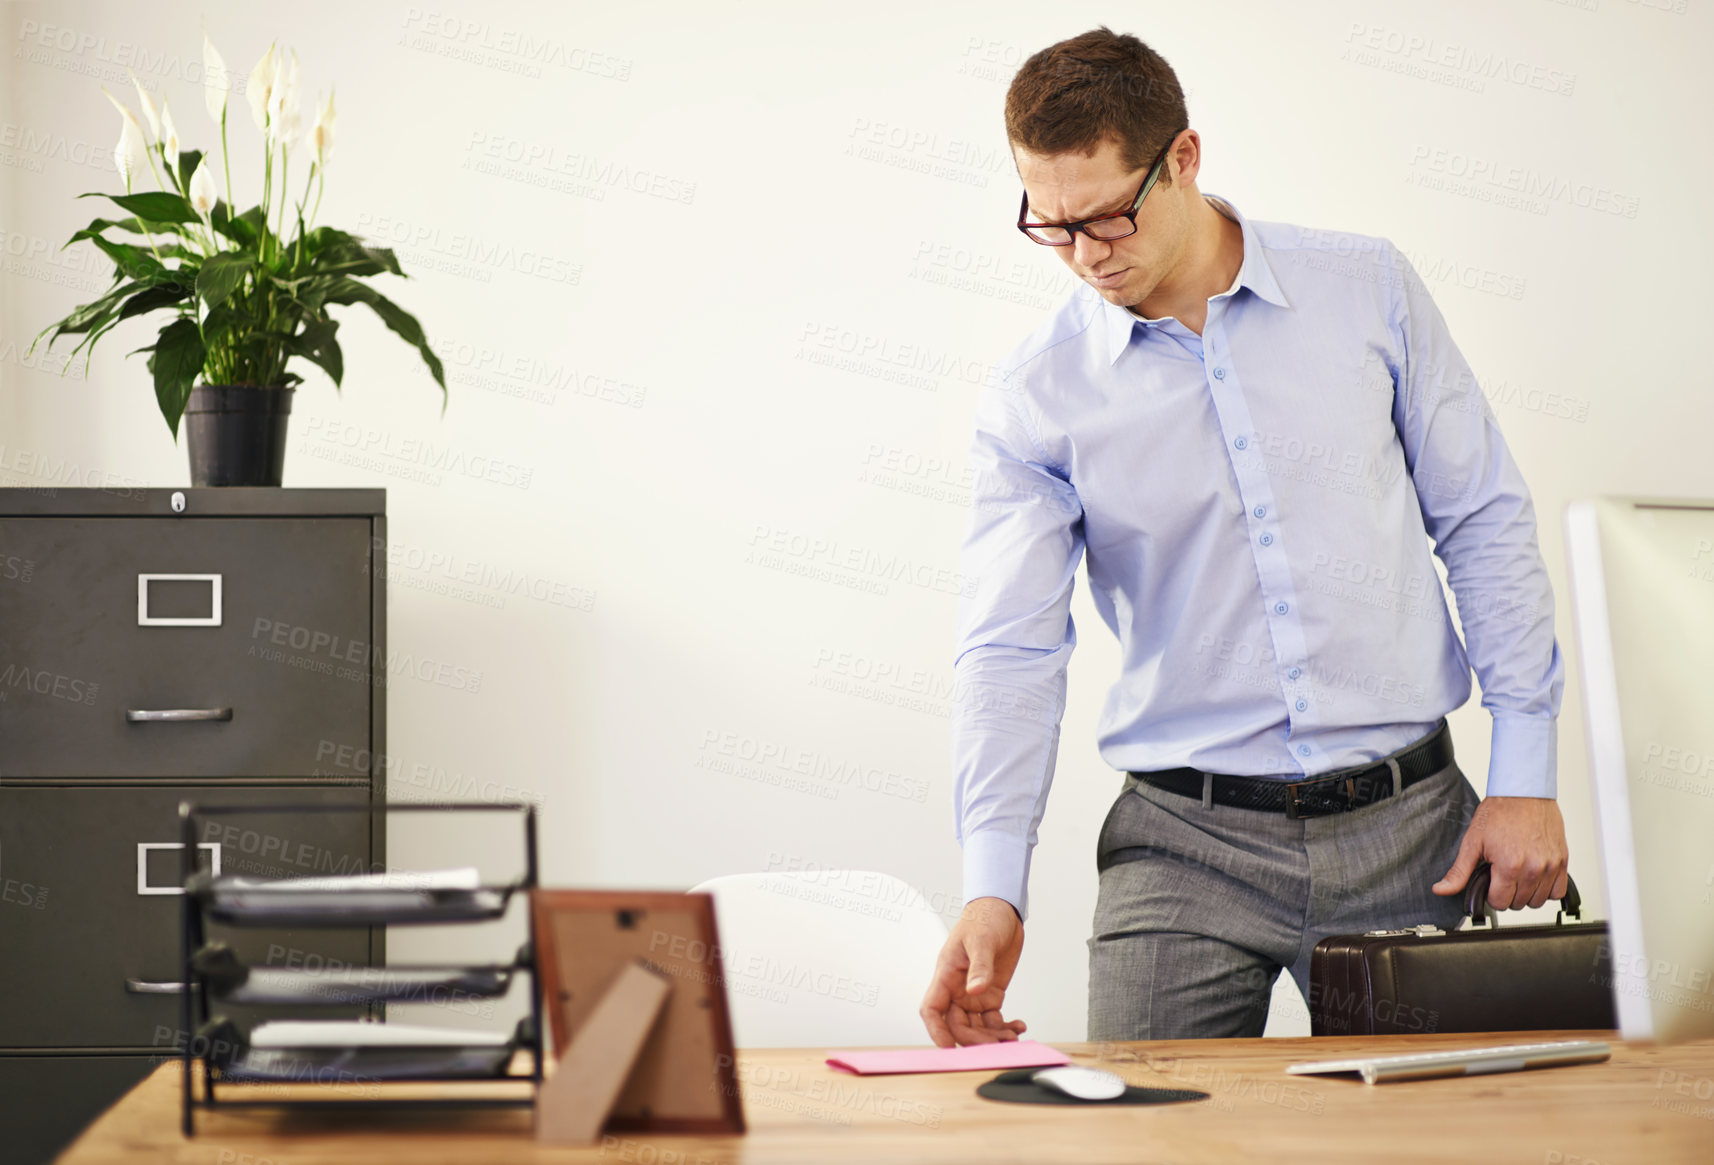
1461, 1061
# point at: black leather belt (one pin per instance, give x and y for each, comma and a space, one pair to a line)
1337, 792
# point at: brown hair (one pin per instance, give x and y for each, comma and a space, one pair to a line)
1072, 95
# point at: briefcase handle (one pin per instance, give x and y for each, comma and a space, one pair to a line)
1482, 912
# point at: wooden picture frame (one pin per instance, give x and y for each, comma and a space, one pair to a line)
591, 946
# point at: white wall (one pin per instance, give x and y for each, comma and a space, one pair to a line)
842, 176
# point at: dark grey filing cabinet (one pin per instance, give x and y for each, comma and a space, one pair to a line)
157, 646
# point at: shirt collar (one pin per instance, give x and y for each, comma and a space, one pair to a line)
1253, 273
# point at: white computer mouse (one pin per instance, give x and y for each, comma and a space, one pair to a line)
1081, 1083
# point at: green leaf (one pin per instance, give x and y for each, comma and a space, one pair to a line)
335, 251
90, 315
177, 358
139, 264
135, 225
350, 257
154, 205
313, 293
317, 345
220, 321
323, 236
384, 256
400, 321
133, 261
305, 295
289, 286
188, 160
221, 275
161, 295
240, 230
95, 333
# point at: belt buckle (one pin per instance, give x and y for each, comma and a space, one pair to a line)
1294, 788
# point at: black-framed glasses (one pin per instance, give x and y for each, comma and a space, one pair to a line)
1108, 227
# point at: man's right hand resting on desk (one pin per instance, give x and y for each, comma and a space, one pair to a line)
971, 975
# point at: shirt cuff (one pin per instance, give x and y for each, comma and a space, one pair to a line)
997, 865
1523, 759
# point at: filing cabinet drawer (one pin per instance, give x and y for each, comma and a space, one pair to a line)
46, 1101
90, 915
166, 647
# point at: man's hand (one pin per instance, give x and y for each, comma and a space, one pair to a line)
1524, 839
971, 975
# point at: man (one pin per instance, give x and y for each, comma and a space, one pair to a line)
1252, 430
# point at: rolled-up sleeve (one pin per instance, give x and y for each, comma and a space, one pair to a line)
1015, 636
1477, 508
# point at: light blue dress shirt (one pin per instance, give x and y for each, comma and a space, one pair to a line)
1255, 504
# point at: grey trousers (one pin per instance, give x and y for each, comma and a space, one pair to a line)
1204, 907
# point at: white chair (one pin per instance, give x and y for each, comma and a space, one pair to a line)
824, 958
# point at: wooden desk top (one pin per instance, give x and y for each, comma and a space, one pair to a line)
1645, 1106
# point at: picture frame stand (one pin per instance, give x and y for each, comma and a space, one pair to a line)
575, 1101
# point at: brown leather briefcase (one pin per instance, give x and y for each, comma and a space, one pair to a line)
1481, 979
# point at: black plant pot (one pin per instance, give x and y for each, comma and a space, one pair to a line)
236, 434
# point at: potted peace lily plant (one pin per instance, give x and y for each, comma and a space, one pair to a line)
244, 298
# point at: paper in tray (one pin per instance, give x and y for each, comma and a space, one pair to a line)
353, 1051
359, 1065
464, 878
354, 1033
366, 985
363, 899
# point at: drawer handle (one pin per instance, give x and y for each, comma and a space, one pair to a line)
146, 987
143, 848
153, 715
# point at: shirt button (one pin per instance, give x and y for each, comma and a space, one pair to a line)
1280, 608
1303, 750
1302, 705
1294, 673
1266, 539
1241, 443
1260, 511
1219, 374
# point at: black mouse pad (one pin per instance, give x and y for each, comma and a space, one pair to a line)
1016, 1087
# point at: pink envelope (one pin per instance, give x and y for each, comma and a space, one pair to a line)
971, 1058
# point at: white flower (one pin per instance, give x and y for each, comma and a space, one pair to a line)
203, 191
216, 81
131, 155
261, 86
169, 136
148, 108
320, 136
283, 116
